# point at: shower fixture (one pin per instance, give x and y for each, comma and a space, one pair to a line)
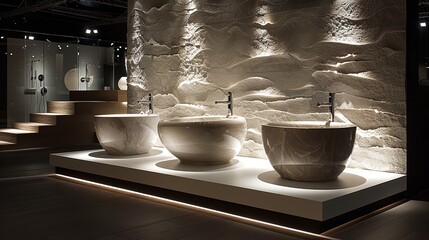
33, 77
86, 78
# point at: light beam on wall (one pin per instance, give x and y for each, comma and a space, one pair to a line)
264, 43
192, 67
343, 26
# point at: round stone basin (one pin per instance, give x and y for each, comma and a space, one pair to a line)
203, 140
126, 134
309, 150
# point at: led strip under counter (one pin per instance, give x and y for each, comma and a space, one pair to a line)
245, 181
250, 221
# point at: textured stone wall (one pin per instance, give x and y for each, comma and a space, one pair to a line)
279, 58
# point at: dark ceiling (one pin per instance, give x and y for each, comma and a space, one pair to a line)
67, 17
73, 17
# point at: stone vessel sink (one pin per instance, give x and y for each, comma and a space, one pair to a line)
309, 150
203, 140
126, 134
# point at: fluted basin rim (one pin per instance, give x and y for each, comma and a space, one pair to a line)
203, 119
125, 115
310, 125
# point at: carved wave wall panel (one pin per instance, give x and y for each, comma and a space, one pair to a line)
279, 58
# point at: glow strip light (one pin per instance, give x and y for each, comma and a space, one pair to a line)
251, 221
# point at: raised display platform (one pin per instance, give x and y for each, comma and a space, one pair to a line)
245, 181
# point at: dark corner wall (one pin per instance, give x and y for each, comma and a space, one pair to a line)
417, 106
3, 83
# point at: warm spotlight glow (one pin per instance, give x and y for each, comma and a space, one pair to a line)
422, 24
1, 37
265, 43
225, 215
88, 31
31, 37
95, 31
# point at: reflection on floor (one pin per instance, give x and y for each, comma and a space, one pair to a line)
49, 208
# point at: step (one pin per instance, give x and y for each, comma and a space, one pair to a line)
48, 118
34, 126
86, 107
71, 136
99, 95
62, 120
13, 135
4, 145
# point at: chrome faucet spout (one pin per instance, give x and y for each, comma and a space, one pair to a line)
230, 104
330, 104
149, 102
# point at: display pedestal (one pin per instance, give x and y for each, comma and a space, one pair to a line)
245, 181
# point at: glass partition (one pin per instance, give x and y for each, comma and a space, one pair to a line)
43, 67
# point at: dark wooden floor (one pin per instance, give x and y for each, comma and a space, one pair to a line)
45, 207
50, 208
408, 221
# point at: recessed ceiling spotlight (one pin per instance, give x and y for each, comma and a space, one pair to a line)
88, 31
1, 37
111, 44
31, 37
422, 24
95, 31
25, 37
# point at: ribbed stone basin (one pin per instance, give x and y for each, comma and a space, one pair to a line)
203, 140
309, 150
126, 134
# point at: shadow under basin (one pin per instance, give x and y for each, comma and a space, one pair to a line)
103, 154
345, 180
178, 166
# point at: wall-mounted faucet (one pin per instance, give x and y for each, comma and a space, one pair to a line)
230, 104
149, 103
330, 104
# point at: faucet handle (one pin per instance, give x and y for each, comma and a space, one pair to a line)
230, 104
332, 97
